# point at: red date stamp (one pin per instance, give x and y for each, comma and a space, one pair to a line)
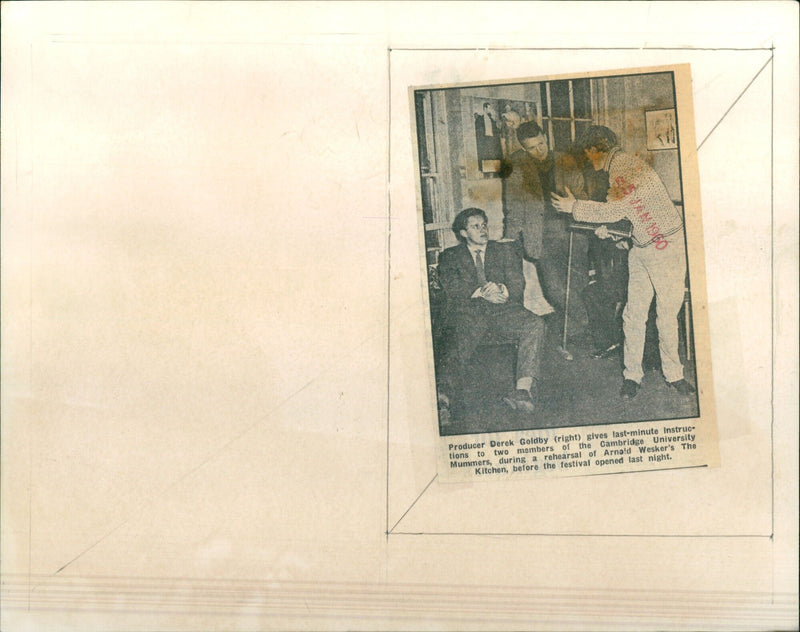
620, 190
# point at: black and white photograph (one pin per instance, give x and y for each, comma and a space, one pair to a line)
558, 286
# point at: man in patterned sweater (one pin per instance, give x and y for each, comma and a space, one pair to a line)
657, 263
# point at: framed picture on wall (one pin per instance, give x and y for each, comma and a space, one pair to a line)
495, 122
661, 133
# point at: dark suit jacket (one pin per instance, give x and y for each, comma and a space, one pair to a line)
459, 277
524, 203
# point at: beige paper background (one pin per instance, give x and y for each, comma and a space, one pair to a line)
200, 314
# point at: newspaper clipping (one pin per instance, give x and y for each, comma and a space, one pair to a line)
561, 238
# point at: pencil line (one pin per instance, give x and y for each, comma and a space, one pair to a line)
388, 257
210, 457
734, 103
772, 315
584, 535
414, 503
772, 283
513, 48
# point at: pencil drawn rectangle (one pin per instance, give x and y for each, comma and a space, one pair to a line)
565, 282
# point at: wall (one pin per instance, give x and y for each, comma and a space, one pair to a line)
620, 103
485, 193
628, 98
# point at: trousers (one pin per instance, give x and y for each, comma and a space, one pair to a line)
511, 323
662, 272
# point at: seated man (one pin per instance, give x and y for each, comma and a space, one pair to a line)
484, 286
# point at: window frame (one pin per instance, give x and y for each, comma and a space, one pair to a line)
547, 121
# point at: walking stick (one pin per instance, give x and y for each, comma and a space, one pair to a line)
566, 303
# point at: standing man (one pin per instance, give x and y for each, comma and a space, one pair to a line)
483, 285
604, 296
657, 262
534, 174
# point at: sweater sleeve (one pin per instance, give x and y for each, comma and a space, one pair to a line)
637, 193
600, 212
622, 175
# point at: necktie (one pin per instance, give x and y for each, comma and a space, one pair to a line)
479, 266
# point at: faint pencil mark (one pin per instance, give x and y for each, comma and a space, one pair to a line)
586, 535
388, 263
414, 503
735, 102
772, 290
213, 455
638, 48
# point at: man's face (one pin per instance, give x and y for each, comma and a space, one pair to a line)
477, 232
596, 157
536, 147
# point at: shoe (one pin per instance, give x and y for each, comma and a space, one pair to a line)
541, 307
682, 386
566, 355
629, 389
600, 354
520, 400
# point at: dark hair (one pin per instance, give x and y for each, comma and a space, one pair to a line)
460, 222
530, 129
599, 137
575, 152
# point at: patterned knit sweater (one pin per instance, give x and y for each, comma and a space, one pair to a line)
638, 194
